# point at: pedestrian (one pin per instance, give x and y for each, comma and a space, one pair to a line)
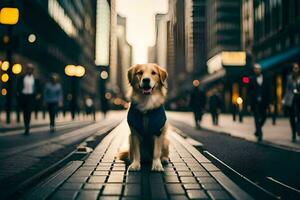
259, 95
90, 107
291, 100
53, 97
28, 91
215, 106
197, 104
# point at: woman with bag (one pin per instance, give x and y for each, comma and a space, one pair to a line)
291, 100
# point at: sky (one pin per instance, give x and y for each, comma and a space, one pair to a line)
140, 16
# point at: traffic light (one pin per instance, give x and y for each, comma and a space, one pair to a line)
245, 79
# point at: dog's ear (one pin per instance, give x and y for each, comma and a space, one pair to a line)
163, 75
130, 74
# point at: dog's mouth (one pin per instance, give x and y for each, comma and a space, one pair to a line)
146, 90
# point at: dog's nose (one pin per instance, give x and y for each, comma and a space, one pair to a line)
146, 80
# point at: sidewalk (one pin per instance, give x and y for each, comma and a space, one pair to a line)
189, 175
14, 125
278, 135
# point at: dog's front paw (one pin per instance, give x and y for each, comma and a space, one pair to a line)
157, 166
135, 166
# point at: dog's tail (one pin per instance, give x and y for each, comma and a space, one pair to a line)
123, 155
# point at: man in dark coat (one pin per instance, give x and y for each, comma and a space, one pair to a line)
215, 105
197, 104
259, 96
27, 92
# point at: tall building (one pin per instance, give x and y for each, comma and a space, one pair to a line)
176, 65
276, 40
158, 52
161, 39
181, 45
223, 26
247, 25
226, 62
195, 36
51, 34
113, 45
152, 54
124, 57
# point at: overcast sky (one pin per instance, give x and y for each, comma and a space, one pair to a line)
140, 16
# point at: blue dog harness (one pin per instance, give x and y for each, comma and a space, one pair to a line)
149, 123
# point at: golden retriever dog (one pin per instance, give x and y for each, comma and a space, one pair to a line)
146, 116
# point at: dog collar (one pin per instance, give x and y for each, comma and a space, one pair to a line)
147, 123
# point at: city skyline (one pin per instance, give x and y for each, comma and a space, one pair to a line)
140, 16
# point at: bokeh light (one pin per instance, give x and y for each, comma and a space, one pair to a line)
5, 66
79, 71
3, 92
17, 68
196, 83
72, 70
9, 16
239, 100
31, 38
108, 95
104, 75
4, 77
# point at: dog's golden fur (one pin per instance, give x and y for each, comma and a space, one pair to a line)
147, 99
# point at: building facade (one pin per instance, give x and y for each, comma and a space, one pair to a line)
276, 41
51, 34
124, 57
247, 25
195, 37
175, 55
226, 60
223, 26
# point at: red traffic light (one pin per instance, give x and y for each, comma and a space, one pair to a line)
245, 79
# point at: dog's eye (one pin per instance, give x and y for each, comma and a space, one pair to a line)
153, 73
139, 73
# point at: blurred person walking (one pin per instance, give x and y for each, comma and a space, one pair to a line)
215, 105
53, 97
90, 107
291, 100
27, 92
259, 95
197, 104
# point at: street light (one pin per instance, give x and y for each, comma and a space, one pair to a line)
5, 66
4, 77
79, 71
104, 75
239, 101
9, 16
74, 72
196, 83
3, 92
31, 38
70, 70
17, 69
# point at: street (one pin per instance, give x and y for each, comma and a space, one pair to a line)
251, 159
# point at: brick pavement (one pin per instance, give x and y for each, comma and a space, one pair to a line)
189, 175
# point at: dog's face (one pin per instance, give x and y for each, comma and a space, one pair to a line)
147, 79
